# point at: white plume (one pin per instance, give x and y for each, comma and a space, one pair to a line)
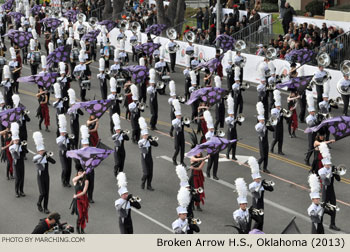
121, 178
142, 123
254, 166
183, 197
176, 105
314, 183
62, 121
84, 130
14, 129
16, 99
217, 81
207, 117
277, 95
326, 88
260, 108
230, 103
1, 96
116, 119
310, 100
193, 77
324, 150
181, 173
134, 90
172, 87
71, 94
152, 73
38, 138
241, 187
57, 90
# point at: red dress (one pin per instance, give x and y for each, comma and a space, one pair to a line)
9, 158
44, 111
82, 206
198, 181
93, 136
294, 116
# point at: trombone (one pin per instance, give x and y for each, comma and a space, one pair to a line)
141, 106
154, 139
245, 85
181, 98
135, 199
340, 170
24, 143
186, 120
269, 183
220, 133
240, 118
126, 132
26, 111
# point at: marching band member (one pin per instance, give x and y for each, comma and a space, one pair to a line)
102, 77
172, 54
153, 100
124, 204
7, 84
172, 94
271, 78
64, 145
41, 160
237, 87
74, 119
327, 175
179, 138
194, 63
123, 56
184, 225
156, 53
262, 96
114, 108
43, 109
31, 57
258, 188
311, 121
118, 137
344, 85
82, 73
64, 82
229, 71
135, 111
93, 124
219, 107
315, 210
145, 145
72, 56
262, 130
190, 50
242, 216
143, 85
238, 59
161, 66
231, 122
6, 140
115, 68
319, 76
276, 113
22, 121
43, 65
194, 105
214, 158
292, 105
18, 154
15, 67
58, 104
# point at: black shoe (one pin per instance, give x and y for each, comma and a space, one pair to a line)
91, 201
68, 185
234, 158
199, 208
227, 156
307, 162
142, 186
22, 194
281, 153
216, 178
64, 184
47, 130
46, 211
150, 188
334, 227
82, 231
78, 230
17, 195
208, 175
271, 150
174, 162
171, 133
183, 164
293, 134
39, 126
266, 171
40, 208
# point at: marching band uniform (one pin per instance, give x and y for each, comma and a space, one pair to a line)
43, 109
195, 104
153, 101
179, 138
258, 188
214, 158
23, 135
270, 78
64, 82
74, 120
237, 89
64, 145
319, 76
14, 64
219, 107
115, 68
325, 108
44, 71
84, 74
143, 85
124, 204
194, 63
114, 108
344, 85
41, 160
242, 216
187, 75
135, 114
18, 154
311, 121
231, 128
315, 210
145, 145
278, 129
119, 137
31, 57
262, 97
7, 84
230, 71
102, 77
104, 52
172, 94
172, 54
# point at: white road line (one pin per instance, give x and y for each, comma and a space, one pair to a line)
32, 152
153, 220
267, 201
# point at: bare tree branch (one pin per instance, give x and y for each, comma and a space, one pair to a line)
107, 11
118, 7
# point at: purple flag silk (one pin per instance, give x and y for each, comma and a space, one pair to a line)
95, 107
212, 64
298, 83
138, 73
71, 15
61, 53
7, 5
16, 15
256, 231
20, 38
53, 23
213, 146
156, 29
36, 9
43, 79
210, 95
89, 157
338, 126
11, 115
226, 42
147, 48
91, 36
301, 56
109, 24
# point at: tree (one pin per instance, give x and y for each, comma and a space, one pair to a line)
173, 15
118, 7
109, 12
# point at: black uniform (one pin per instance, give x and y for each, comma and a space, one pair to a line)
124, 210
231, 134
64, 145
42, 227
264, 146
103, 84
147, 161
179, 140
219, 114
119, 152
18, 153
153, 105
278, 134
74, 126
114, 108
135, 115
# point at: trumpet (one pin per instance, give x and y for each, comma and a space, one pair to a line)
245, 85
49, 154
286, 113
71, 136
269, 183
186, 120
155, 139
196, 221
141, 106
181, 98
126, 132
256, 211
135, 199
24, 143
220, 133
335, 103
330, 206
7, 106
240, 118
198, 190
119, 97
272, 121
340, 170
65, 98
26, 111
160, 85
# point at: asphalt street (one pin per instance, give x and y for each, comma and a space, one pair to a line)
290, 197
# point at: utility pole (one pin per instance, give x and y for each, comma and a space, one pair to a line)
218, 19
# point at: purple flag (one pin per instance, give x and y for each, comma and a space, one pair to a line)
256, 231
95, 107
147, 48
226, 42
301, 56
61, 53
338, 126
42, 79
109, 24
16, 15
212, 64
213, 146
298, 83
21, 38
7, 5
36, 9
89, 157
91, 36
210, 95
156, 29
11, 115
71, 15
138, 73
53, 23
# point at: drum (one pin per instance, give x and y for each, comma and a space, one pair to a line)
75, 54
85, 84
37, 58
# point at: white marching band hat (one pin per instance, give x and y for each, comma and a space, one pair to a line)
324, 150
84, 131
43, 61
182, 175
15, 131
71, 95
113, 85
177, 107
209, 119
217, 81
310, 102
254, 167
122, 183
261, 110
62, 123
39, 141
183, 199
172, 88
134, 92
143, 126
116, 121
62, 66
315, 186
242, 191
101, 64
230, 104
277, 97
16, 100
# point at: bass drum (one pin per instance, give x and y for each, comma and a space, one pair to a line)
340, 90
111, 52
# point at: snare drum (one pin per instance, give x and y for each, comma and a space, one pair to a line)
85, 84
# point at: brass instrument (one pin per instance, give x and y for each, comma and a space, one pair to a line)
220, 133
120, 97
24, 143
334, 102
196, 221
93, 22
324, 116
135, 199
330, 206
65, 98
271, 53
16, 70
171, 33
186, 120
135, 27
240, 45
286, 113
198, 190
256, 211
272, 121
190, 36
269, 183
160, 85
49, 154
141, 106
126, 132
88, 62
71, 136
26, 111
240, 118
81, 17
245, 85
7, 106
155, 138
345, 69
323, 59
340, 170
181, 98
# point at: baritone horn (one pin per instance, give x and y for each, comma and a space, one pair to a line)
126, 132
135, 199
190, 36
220, 133
81, 17
24, 143
245, 85
286, 113
186, 120
269, 183
171, 33
49, 154
26, 112
181, 98
271, 53
340, 170
198, 190
240, 45
135, 27
330, 206
240, 118
141, 106
154, 139
93, 22
345, 69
